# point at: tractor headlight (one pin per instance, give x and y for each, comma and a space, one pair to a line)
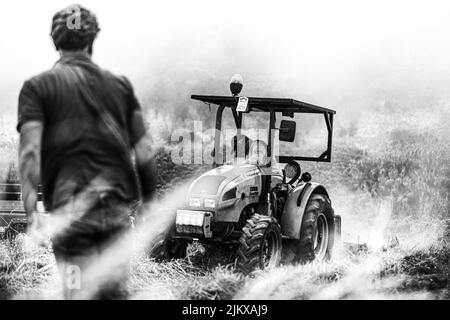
210, 203
195, 202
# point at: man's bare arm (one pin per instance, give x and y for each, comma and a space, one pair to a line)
145, 157
30, 163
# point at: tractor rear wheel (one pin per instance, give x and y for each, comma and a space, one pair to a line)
316, 232
259, 245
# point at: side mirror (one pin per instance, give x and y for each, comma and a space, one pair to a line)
287, 130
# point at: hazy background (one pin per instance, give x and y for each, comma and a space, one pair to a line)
347, 55
383, 65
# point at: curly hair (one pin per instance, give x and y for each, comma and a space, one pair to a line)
74, 28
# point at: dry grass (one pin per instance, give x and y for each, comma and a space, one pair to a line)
390, 181
29, 272
25, 269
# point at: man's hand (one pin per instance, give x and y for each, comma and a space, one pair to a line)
146, 167
29, 196
36, 229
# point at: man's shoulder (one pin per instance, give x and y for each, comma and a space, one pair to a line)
58, 71
119, 79
40, 78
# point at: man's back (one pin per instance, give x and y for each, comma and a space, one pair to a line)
79, 147
78, 126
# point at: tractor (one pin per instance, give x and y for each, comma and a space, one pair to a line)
259, 201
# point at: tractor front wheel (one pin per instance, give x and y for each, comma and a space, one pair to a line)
169, 249
175, 249
259, 245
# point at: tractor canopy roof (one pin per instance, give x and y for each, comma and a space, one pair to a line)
265, 104
284, 131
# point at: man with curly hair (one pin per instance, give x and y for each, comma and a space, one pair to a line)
79, 126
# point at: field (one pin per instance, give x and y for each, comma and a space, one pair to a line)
390, 181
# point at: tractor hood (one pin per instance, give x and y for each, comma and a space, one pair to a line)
221, 185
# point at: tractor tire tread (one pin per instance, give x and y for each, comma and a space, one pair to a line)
248, 253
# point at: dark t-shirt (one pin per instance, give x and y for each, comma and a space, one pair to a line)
79, 150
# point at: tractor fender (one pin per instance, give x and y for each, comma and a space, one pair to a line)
293, 211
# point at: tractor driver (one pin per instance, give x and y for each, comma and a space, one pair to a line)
258, 153
240, 146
